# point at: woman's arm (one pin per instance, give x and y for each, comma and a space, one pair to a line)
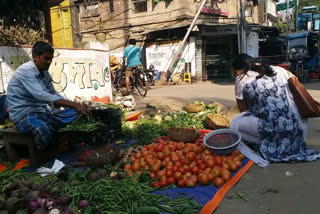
242, 105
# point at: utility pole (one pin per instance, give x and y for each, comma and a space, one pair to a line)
287, 17
46, 10
178, 54
243, 27
238, 29
297, 14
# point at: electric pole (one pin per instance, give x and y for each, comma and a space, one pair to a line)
243, 27
287, 17
297, 14
182, 45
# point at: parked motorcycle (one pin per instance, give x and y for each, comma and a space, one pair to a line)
150, 74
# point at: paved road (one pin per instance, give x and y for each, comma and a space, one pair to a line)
268, 190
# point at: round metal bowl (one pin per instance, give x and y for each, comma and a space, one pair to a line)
222, 141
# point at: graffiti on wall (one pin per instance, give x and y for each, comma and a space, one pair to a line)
160, 56
81, 72
75, 72
156, 59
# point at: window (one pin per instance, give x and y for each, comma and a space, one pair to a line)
89, 10
140, 6
111, 8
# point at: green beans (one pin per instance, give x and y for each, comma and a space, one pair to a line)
124, 196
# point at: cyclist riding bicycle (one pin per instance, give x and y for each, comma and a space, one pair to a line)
132, 54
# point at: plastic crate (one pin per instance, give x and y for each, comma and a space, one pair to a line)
111, 117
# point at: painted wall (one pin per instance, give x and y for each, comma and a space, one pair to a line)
61, 25
160, 54
74, 72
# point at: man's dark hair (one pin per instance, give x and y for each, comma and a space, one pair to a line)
40, 48
132, 41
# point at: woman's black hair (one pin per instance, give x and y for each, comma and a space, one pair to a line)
40, 48
246, 63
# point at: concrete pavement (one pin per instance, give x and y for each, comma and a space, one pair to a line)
279, 189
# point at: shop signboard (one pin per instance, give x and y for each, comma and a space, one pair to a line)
214, 11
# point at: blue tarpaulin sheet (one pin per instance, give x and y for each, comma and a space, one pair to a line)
201, 194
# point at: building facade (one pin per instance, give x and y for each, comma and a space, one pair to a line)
213, 41
61, 25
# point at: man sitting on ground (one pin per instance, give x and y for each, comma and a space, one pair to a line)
32, 99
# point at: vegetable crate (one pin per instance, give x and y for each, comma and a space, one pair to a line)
112, 118
75, 138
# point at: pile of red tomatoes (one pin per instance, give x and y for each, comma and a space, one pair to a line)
183, 164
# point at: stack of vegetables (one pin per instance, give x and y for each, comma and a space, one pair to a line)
26, 195
128, 187
184, 164
104, 190
144, 130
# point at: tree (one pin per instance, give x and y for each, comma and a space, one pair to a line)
307, 3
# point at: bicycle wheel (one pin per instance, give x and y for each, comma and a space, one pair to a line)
140, 84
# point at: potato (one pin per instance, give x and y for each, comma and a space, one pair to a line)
93, 176
13, 204
2, 202
31, 196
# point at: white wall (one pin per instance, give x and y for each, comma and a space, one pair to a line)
253, 44
271, 7
75, 72
118, 55
160, 54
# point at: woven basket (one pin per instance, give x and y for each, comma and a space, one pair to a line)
217, 121
105, 157
193, 108
234, 111
182, 134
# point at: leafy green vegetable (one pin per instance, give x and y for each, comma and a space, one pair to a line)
145, 130
84, 123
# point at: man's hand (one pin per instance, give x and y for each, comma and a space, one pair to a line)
77, 106
81, 108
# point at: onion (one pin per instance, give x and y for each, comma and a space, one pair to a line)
43, 201
63, 200
49, 204
54, 211
68, 211
39, 201
83, 204
33, 205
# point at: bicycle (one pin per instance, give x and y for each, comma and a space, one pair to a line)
138, 80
